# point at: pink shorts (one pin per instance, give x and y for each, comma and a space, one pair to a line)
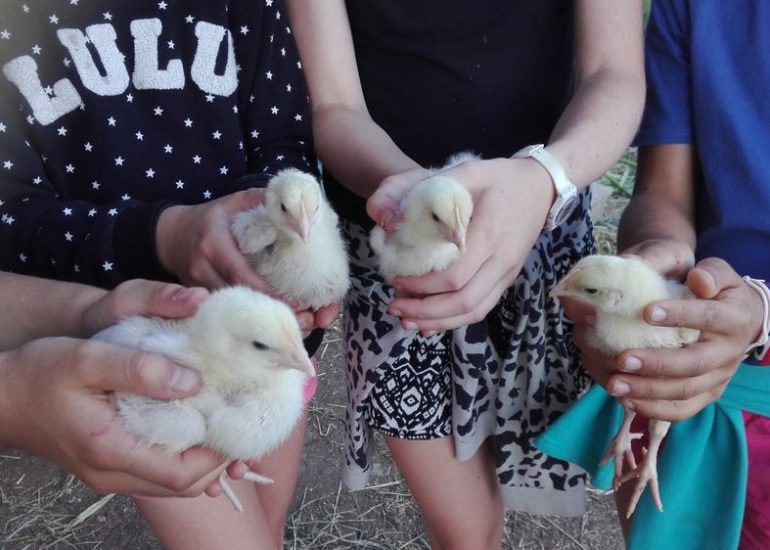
755, 534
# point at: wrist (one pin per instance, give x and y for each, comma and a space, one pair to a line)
565, 197
167, 221
536, 182
760, 345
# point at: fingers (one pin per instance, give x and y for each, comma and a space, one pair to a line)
140, 297
453, 278
703, 315
133, 468
672, 258
450, 311
675, 389
384, 205
579, 312
243, 200
672, 410
112, 368
710, 277
325, 316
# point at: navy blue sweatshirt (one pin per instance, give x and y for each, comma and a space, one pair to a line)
111, 111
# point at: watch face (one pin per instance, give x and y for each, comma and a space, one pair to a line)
566, 210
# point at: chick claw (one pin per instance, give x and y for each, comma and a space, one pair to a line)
227, 490
646, 474
620, 449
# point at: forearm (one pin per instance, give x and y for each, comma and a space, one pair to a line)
356, 150
601, 119
32, 308
663, 204
598, 124
650, 216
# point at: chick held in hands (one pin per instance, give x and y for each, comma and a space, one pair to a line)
248, 350
433, 228
294, 241
619, 289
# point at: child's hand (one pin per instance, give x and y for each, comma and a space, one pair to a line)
511, 199
140, 297
195, 243
384, 204
55, 402
677, 384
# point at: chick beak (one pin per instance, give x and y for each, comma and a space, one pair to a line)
561, 289
303, 224
458, 234
301, 361
458, 237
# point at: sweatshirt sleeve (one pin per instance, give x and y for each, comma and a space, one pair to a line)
278, 133
47, 233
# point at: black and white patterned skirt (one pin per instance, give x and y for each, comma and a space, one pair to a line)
506, 378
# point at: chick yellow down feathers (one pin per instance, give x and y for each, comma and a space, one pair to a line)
619, 289
433, 229
247, 348
294, 241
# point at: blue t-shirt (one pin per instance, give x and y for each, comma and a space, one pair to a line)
708, 71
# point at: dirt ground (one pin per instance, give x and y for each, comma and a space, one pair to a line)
42, 507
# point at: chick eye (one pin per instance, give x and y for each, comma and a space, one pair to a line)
434, 216
589, 290
258, 345
283, 207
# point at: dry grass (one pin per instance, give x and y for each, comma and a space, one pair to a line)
42, 507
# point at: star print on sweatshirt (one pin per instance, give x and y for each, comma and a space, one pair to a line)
111, 111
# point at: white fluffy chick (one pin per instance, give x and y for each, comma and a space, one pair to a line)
432, 232
248, 350
294, 241
619, 289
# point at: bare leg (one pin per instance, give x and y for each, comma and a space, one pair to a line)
282, 466
203, 523
460, 501
620, 448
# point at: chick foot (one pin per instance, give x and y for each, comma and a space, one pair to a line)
620, 449
647, 471
227, 490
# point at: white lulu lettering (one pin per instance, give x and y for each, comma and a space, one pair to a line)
202, 72
22, 71
147, 75
104, 39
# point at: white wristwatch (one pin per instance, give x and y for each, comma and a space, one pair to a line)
566, 192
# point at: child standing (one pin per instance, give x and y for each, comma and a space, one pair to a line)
129, 134
461, 376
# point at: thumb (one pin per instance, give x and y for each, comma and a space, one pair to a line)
710, 277
244, 200
113, 368
383, 208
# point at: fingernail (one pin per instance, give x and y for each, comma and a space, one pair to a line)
632, 364
620, 388
182, 294
410, 325
183, 380
396, 312
428, 333
629, 405
304, 323
658, 314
